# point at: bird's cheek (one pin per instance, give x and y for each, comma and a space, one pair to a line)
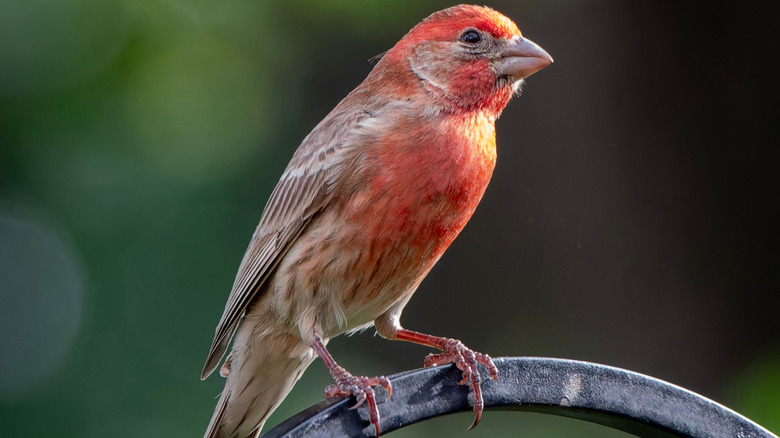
431, 66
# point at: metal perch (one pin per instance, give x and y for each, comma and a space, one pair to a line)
617, 398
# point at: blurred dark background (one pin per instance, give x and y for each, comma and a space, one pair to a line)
631, 221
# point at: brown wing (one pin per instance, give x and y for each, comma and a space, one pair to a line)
303, 190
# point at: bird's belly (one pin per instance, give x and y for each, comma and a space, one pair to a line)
372, 247
353, 263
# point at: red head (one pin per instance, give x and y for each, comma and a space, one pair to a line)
467, 57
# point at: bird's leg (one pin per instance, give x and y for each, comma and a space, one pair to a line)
347, 385
453, 351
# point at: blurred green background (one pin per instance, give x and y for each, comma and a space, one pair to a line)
632, 219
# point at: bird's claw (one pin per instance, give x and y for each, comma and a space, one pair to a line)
466, 360
361, 387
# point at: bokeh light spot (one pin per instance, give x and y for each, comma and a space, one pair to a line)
41, 289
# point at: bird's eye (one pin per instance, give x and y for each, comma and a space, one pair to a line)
470, 37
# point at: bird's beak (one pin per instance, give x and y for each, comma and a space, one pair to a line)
522, 58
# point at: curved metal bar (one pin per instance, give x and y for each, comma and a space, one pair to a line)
614, 397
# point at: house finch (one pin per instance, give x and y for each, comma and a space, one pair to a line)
368, 204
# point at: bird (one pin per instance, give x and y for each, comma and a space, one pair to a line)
369, 202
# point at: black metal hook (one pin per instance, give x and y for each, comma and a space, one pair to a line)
614, 397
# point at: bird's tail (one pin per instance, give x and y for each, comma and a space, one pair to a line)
219, 414
260, 372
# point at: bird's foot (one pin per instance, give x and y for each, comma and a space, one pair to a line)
361, 387
466, 360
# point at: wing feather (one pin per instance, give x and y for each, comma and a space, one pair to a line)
303, 190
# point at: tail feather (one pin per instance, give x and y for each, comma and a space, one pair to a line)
261, 372
218, 417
